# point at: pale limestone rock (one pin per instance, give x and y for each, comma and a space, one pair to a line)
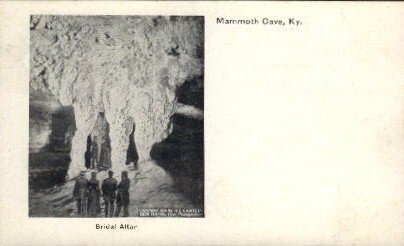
127, 67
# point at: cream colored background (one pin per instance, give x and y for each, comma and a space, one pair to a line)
304, 128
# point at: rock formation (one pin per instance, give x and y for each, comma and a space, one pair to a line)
126, 66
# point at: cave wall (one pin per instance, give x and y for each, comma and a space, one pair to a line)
126, 66
51, 129
41, 108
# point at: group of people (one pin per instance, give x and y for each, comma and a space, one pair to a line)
97, 155
88, 194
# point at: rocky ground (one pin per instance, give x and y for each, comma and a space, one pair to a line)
154, 189
174, 179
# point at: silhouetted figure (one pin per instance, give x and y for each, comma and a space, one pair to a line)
94, 195
80, 193
105, 156
87, 154
131, 154
122, 198
94, 153
109, 187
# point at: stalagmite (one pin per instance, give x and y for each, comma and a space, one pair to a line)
84, 125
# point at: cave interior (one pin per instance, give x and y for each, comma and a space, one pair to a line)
181, 154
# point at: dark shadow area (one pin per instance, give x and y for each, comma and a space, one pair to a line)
191, 92
48, 167
182, 153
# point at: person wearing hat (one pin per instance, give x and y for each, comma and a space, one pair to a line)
122, 199
108, 187
94, 194
80, 193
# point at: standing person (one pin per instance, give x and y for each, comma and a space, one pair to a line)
80, 193
108, 187
104, 159
131, 153
122, 198
94, 153
94, 193
87, 154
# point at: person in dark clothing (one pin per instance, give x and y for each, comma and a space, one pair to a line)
87, 158
87, 154
105, 156
131, 154
80, 193
94, 194
122, 199
108, 187
94, 153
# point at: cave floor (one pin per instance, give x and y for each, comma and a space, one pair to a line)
154, 189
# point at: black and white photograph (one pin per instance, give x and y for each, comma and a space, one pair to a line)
116, 116
201, 123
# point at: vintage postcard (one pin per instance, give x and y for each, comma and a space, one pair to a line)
201, 123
